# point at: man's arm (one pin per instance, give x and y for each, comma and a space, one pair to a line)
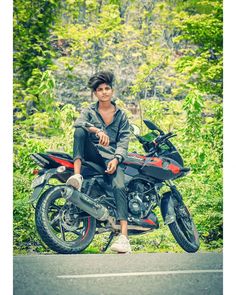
123, 137
83, 121
122, 145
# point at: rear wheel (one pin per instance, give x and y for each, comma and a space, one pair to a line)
62, 226
183, 228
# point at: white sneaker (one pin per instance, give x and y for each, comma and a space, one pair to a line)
122, 245
76, 181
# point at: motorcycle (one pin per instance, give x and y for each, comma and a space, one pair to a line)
67, 220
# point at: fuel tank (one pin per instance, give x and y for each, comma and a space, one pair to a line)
162, 168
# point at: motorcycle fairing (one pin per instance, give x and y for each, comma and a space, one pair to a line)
134, 160
162, 168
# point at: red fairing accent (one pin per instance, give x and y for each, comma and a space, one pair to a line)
87, 230
62, 162
156, 162
174, 169
149, 221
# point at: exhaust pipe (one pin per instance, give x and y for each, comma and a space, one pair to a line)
86, 203
94, 209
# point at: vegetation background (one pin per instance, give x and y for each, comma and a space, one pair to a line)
167, 58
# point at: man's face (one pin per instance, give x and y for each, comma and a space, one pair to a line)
104, 92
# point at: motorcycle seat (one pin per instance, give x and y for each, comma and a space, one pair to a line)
94, 166
61, 155
98, 168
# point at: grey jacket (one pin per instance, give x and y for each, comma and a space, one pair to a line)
118, 131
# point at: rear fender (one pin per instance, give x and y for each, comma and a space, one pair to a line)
167, 208
39, 188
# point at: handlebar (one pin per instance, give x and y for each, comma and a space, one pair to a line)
162, 138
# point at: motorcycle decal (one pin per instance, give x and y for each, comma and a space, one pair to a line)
155, 162
62, 162
175, 169
87, 230
149, 221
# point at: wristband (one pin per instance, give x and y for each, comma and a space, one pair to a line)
119, 158
96, 134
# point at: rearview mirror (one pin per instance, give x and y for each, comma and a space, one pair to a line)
152, 126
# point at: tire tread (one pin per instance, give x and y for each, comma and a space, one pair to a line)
47, 237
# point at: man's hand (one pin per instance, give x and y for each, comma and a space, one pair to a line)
103, 138
111, 166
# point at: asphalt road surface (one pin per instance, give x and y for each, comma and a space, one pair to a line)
117, 274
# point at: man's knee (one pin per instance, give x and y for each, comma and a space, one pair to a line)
118, 186
118, 182
80, 132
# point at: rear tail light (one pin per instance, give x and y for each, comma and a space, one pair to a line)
61, 169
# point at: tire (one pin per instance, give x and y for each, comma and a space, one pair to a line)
59, 223
184, 230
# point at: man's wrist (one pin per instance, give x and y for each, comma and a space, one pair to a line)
98, 131
119, 158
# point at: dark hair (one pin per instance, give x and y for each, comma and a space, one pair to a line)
100, 78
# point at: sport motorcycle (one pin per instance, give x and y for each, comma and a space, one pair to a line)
67, 219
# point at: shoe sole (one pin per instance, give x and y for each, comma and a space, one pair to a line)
119, 251
74, 183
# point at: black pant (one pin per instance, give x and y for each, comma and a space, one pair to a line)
85, 150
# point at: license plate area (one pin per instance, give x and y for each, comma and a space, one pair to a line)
37, 181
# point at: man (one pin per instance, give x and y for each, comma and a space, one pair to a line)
102, 136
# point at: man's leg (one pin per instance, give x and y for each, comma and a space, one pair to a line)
77, 166
118, 185
83, 149
124, 227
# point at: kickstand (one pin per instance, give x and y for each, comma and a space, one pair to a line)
111, 236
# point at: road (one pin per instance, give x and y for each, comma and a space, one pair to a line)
115, 274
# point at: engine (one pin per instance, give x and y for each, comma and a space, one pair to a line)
140, 194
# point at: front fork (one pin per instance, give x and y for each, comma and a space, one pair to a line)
167, 205
175, 192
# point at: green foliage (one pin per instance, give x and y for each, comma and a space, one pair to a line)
200, 25
32, 23
193, 104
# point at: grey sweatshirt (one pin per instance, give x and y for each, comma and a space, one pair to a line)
118, 130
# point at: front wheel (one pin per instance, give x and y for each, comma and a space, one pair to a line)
63, 227
183, 228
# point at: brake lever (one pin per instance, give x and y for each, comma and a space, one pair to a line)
159, 140
173, 135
